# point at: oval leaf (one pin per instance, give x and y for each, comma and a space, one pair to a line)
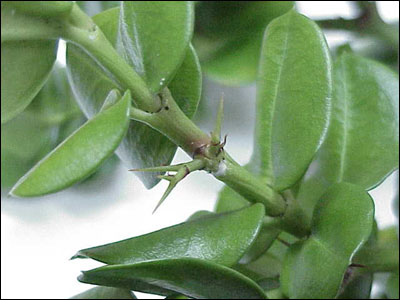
365, 112
293, 99
200, 238
154, 36
25, 62
79, 155
188, 276
228, 36
143, 146
314, 268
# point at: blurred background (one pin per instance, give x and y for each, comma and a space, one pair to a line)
39, 235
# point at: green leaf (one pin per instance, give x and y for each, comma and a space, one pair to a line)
102, 292
359, 286
143, 146
79, 155
43, 8
293, 99
229, 200
362, 145
228, 36
26, 62
342, 223
154, 37
38, 129
200, 214
383, 255
392, 286
188, 276
200, 238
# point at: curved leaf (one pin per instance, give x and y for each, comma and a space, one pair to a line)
362, 145
143, 146
79, 155
38, 129
229, 200
314, 268
293, 99
154, 36
200, 238
25, 62
188, 276
228, 36
102, 292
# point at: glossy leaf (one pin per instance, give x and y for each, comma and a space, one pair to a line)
25, 62
142, 147
229, 200
79, 155
102, 292
314, 268
188, 276
228, 36
293, 99
362, 145
154, 37
39, 128
200, 238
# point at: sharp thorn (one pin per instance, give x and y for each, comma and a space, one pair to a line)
216, 134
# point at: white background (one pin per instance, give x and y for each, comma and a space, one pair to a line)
38, 236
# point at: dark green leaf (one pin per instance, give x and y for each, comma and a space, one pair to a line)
102, 292
188, 276
154, 37
228, 36
26, 62
293, 99
143, 147
359, 286
342, 222
79, 155
229, 200
200, 238
362, 145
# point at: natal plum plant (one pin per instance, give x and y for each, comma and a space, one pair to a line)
296, 222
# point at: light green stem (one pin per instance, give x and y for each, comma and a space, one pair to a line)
166, 116
81, 30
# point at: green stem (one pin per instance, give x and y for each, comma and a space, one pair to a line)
249, 186
168, 118
79, 28
173, 123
